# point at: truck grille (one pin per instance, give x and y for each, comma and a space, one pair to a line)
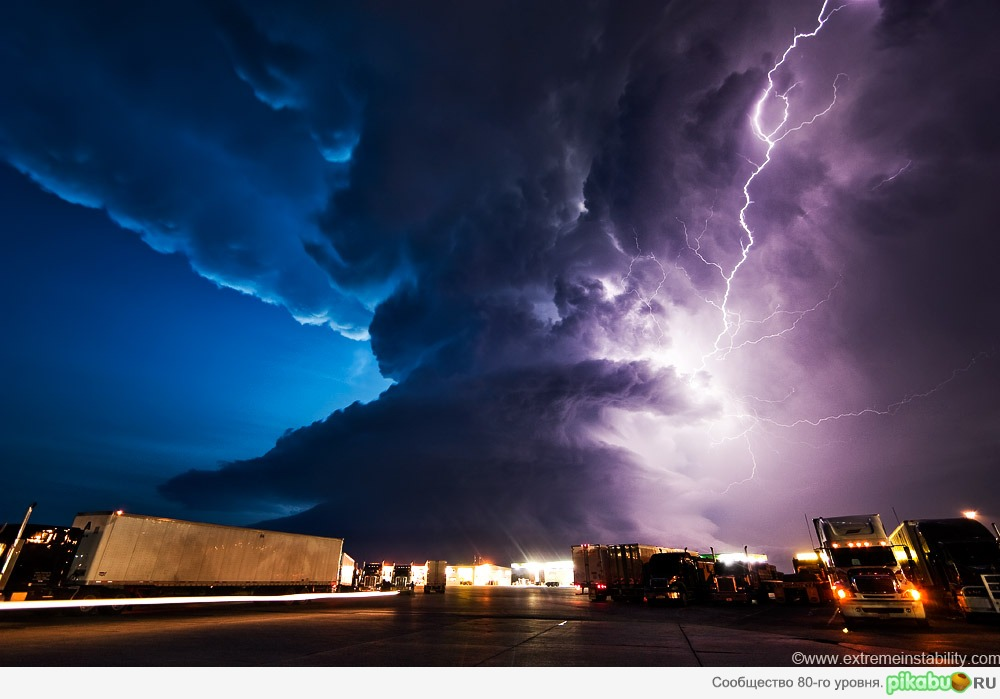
884, 610
726, 584
875, 584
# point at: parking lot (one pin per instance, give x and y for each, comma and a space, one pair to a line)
470, 627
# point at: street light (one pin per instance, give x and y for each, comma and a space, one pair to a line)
970, 514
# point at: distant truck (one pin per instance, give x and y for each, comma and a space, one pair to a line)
112, 555
676, 575
371, 578
590, 570
437, 577
402, 577
863, 571
741, 578
808, 584
957, 561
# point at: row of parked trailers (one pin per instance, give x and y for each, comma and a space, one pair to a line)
125, 556
949, 565
639, 572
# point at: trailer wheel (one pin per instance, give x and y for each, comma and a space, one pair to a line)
85, 609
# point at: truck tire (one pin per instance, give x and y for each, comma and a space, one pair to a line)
84, 609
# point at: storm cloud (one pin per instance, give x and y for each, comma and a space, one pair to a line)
610, 310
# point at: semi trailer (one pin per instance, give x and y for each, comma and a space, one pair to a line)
590, 570
626, 579
118, 555
611, 570
864, 574
437, 577
348, 574
957, 561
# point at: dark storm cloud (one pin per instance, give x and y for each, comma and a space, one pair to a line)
926, 218
138, 111
532, 209
500, 462
900, 199
470, 174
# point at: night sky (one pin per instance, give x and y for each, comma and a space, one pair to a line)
496, 278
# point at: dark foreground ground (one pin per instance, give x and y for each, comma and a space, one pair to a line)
479, 627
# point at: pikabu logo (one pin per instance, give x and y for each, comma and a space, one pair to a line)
929, 682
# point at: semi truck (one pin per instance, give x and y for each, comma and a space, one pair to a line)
119, 555
808, 584
626, 570
863, 571
590, 570
678, 576
402, 577
437, 577
741, 578
372, 578
957, 561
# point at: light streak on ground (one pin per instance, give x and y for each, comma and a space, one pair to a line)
149, 601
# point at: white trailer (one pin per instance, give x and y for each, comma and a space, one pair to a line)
149, 556
437, 576
348, 572
590, 570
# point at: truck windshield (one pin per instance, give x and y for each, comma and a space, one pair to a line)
967, 541
731, 568
869, 556
664, 565
974, 553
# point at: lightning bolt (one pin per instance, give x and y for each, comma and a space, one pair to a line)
891, 408
646, 301
770, 137
898, 172
735, 331
733, 324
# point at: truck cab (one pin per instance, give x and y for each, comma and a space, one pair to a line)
402, 577
35, 565
864, 573
676, 576
740, 578
957, 560
371, 577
